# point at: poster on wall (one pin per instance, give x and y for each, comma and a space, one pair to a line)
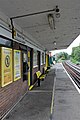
17, 65
6, 66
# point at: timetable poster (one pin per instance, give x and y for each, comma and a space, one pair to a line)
17, 64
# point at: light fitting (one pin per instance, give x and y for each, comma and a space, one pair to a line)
57, 12
51, 21
51, 17
54, 42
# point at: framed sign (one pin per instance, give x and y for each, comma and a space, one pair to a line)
17, 64
5, 66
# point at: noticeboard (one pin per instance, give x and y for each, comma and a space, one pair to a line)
17, 64
6, 66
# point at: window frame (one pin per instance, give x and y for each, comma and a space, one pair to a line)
35, 58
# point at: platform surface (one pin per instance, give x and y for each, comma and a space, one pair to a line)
67, 98
36, 105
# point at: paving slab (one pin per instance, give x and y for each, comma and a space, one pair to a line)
36, 105
67, 98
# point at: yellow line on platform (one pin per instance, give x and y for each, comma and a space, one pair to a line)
42, 91
52, 103
30, 88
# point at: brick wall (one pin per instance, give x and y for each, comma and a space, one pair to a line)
10, 94
42, 66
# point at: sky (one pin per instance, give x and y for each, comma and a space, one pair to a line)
75, 43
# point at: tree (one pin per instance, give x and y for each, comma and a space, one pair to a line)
75, 56
62, 56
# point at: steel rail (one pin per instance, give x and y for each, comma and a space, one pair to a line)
74, 72
77, 67
74, 67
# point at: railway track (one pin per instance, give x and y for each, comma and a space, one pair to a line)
74, 72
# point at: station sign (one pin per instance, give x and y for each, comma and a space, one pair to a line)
19, 37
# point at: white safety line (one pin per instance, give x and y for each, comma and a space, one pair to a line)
71, 79
52, 102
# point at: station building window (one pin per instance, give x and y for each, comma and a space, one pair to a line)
5, 42
35, 63
42, 58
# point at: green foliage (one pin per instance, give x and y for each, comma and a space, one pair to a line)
75, 56
62, 56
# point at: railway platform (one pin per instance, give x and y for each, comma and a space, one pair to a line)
36, 105
45, 103
67, 98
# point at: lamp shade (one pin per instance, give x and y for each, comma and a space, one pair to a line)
51, 21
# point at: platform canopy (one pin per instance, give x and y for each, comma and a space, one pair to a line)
65, 28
